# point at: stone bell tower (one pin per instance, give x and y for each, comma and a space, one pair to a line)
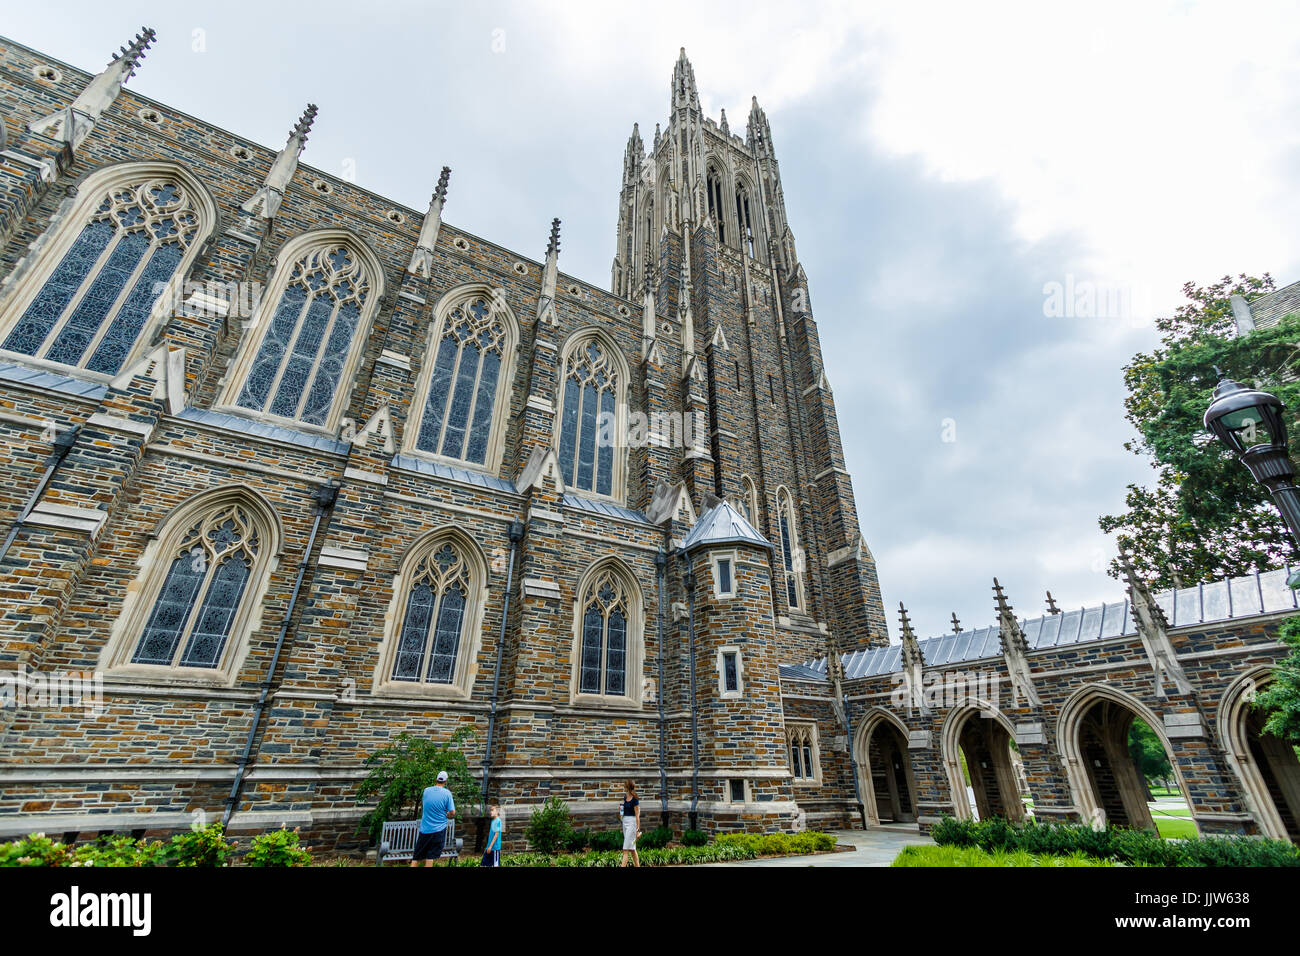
705, 247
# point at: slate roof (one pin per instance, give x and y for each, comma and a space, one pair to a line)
723, 524
39, 378
1249, 596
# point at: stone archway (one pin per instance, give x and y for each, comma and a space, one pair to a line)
1093, 732
981, 733
886, 778
1266, 766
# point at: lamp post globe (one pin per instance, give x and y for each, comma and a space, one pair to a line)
1249, 422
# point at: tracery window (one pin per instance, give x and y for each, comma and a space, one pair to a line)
747, 501
590, 452
744, 223
717, 211
805, 760
311, 336
433, 631
470, 367
119, 251
609, 622
792, 561
199, 593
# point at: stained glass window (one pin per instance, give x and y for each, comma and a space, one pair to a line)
468, 358
802, 741
310, 336
792, 562
191, 619
730, 673
438, 594
605, 609
591, 391
94, 305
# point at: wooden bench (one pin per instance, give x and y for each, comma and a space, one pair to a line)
397, 841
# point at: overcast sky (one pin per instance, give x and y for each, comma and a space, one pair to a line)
942, 163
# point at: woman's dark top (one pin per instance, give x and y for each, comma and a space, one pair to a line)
629, 807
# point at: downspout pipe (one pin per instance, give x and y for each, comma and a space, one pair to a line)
516, 534
63, 443
688, 581
325, 497
661, 566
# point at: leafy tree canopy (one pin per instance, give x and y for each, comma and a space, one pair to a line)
400, 772
1206, 517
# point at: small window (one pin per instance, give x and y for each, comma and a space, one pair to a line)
805, 761
730, 674
724, 575
771, 390
737, 790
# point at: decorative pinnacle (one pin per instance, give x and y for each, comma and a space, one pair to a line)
1003, 607
908, 633
134, 52
956, 624
553, 247
440, 191
1051, 604
303, 126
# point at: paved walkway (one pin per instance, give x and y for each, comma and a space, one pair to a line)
875, 847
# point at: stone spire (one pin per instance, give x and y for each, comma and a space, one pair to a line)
658, 137
422, 258
550, 271
1153, 629
265, 203
1051, 604
913, 663
758, 134
73, 123
956, 624
1015, 650
726, 130
684, 92
633, 156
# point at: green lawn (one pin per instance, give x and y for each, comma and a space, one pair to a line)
973, 856
1163, 792
1174, 827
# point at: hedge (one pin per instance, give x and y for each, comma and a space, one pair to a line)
965, 856
205, 847
1135, 847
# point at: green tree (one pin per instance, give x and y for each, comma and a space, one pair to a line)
400, 772
1280, 700
1148, 753
1206, 517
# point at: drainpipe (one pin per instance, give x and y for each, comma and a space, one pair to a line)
516, 535
661, 564
688, 581
63, 443
325, 497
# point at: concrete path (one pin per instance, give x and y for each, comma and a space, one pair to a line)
875, 847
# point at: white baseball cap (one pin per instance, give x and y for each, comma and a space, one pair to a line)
442, 776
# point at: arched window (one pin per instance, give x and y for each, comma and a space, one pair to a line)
792, 560
123, 247
609, 617
744, 222
593, 386
432, 631
805, 760
469, 367
310, 329
200, 592
717, 211
747, 501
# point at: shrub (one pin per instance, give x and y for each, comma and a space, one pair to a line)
550, 826
779, 844
578, 840
967, 856
277, 849
655, 839
205, 846
668, 856
695, 838
121, 850
400, 772
36, 850
607, 840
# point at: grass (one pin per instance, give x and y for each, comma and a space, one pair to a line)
1165, 792
1174, 828
972, 856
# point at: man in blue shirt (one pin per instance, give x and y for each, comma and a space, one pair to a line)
439, 807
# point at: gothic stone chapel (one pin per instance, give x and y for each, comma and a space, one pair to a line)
294, 469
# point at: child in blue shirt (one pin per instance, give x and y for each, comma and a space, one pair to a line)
492, 855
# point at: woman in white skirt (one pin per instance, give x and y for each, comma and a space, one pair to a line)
630, 812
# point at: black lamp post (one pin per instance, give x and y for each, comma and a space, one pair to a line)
1250, 423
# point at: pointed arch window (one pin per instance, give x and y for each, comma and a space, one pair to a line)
609, 619
805, 758
792, 560
432, 635
467, 378
747, 501
717, 211
199, 596
122, 249
312, 327
590, 453
744, 221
